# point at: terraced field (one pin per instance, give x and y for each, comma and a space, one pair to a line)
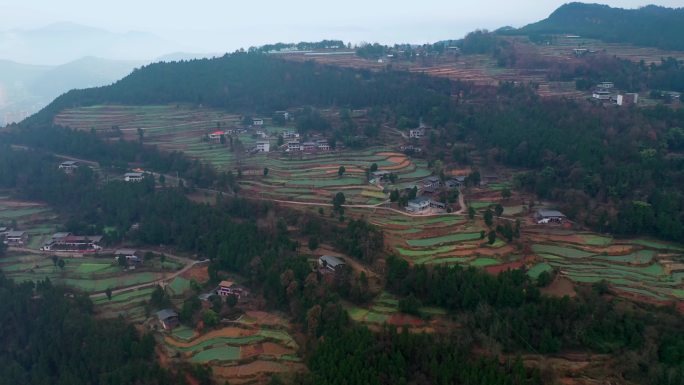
440, 239
385, 309
296, 177
36, 219
129, 305
89, 274
256, 345
649, 270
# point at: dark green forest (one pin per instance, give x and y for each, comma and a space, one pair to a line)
651, 25
50, 338
509, 309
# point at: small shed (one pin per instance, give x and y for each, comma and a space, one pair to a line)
544, 216
168, 318
330, 262
16, 238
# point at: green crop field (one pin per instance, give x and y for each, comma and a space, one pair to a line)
223, 353
658, 245
376, 318
184, 333
596, 240
638, 257
567, 252
423, 253
89, 268
11, 213
482, 262
538, 269
179, 285
480, 205
427, 242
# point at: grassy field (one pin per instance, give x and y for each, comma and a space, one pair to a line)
427, 242
567, 252
89, 274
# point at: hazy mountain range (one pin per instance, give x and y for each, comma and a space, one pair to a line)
38, 65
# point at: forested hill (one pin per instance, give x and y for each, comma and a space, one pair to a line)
650, 26
253, 82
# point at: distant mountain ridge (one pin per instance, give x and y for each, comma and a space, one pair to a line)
651, 26
61, 43
26, 88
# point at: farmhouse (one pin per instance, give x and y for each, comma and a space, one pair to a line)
416, 133
411, 149
322, 145
261, 134
216, 136
16, 238
132, 256
73, 243
330, 262
168, 319
289, 134
627, 99
456, 181
263, 146
418, 204
605, 85
227, 288
580, 51
549, 216
134, 176
284, 114
294, 146
3, 231
309, 146
431, 181
381, 174
602, 94
257, 122
69, 166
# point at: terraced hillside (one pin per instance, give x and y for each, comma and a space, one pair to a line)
292, 176
243, 351
645, 269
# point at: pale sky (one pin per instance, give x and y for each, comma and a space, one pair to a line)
225, 25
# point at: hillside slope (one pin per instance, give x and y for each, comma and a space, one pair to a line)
260, 84
650, 26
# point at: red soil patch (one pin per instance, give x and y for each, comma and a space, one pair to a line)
249, 351
399, 319
396, 159
251, 369
198, 273
390, 154
275, 350
498, 269
264, 318
560, 287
